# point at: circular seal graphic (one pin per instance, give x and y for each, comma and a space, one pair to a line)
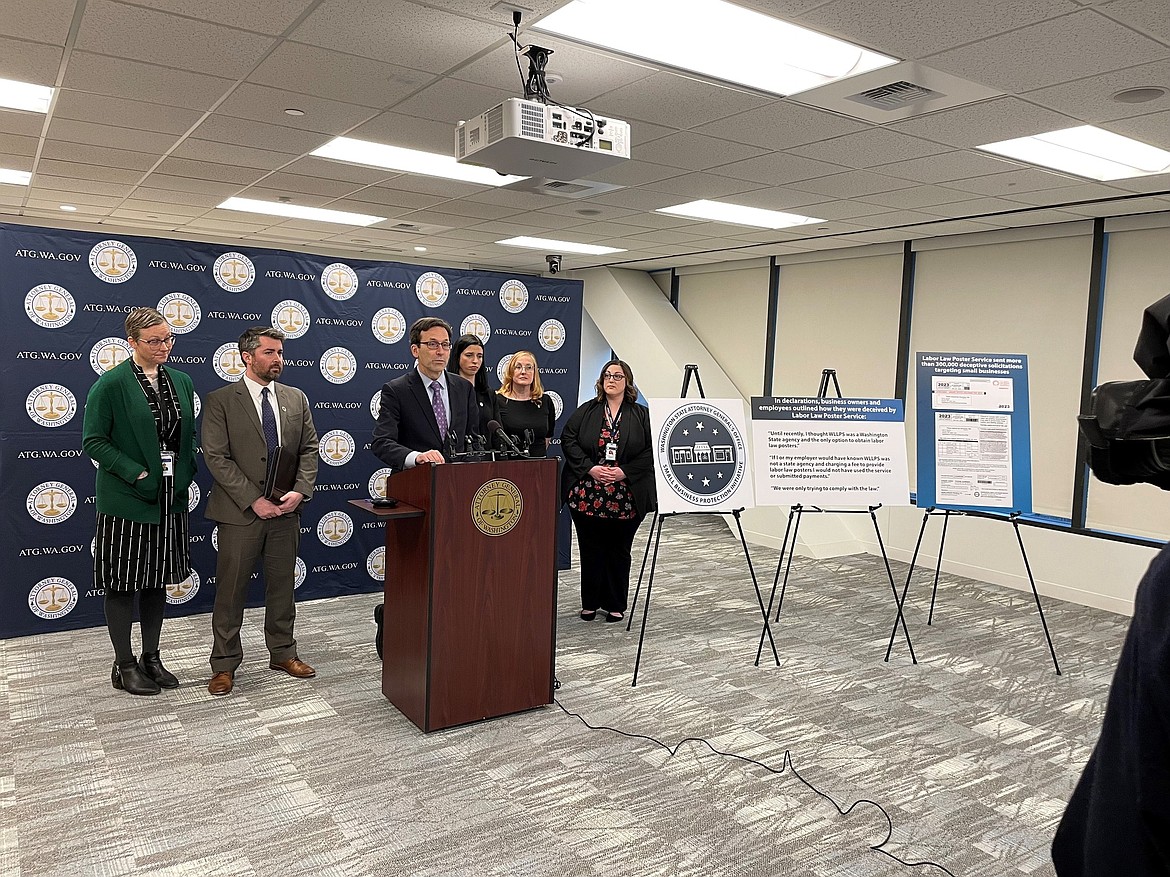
334, 529
388, 325
431, 289
558, 403
215, 537
194, 494
182, 592
52, 598
234, 272
502, 366
552, 334
376, 564
299, 574
338, 365
228, 363
181, 312
49, 306
377, 483
198, 404
51, 502
701, 454
112, 262
339, 281
477, 325
51, 405
375, 404
336, 447
108, 353
496, 507
514, 296
292, 318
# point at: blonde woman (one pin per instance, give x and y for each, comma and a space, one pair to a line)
523, 404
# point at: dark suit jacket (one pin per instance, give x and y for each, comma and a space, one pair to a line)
406, 420
635, 450
237, 456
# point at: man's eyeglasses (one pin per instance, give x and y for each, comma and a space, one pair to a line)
614, 376
156, 343
436, 345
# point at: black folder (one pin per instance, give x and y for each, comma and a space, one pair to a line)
282, 473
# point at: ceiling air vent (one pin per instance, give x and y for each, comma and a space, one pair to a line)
895, 95
562, 188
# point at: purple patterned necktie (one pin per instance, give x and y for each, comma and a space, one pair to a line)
268, 422
437, 404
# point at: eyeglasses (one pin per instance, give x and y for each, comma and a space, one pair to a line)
436, 345
525, 367
156, 343
614, 376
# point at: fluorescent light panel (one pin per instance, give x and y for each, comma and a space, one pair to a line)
16, 178
552, 246
737, 214
1086, 151
717, 39
16, 95
411, 161
296, 211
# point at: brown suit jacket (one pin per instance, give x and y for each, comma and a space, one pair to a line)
237, 456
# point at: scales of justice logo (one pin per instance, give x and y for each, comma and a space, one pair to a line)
497, 507
702, 454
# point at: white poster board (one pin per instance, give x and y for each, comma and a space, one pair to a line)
700, 455
829, 452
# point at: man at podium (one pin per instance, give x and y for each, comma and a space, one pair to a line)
423, 414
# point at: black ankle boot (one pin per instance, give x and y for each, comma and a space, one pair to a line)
129, 678
152, 666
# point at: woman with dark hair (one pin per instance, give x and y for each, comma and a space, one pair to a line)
524, 407
140, 430
608, 482
467, 362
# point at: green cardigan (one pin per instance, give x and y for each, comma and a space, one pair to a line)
119, 434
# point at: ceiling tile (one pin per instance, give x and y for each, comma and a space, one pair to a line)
674, 101
112, 136
266, 16
328, 74
216, 188
781, 125
84, 173
451, 101
424, 39
45, 21
937, 25
266, 104
777, 168
1070, 47
1153, 129
131, 80
136, 115
702, 187
229, 154
1014, 182
206, 170
43, 180
976, 207
633, 173
852, 184
410, 132
692, 151
1148, 17
868, 148
985, 122
12, 144
945, 166
84, 153
247, 132
919, 196
21, 124
160, 38
1091, 99
29, 62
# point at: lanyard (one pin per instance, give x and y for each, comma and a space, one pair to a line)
611, 421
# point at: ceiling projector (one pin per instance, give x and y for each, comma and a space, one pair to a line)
534, 139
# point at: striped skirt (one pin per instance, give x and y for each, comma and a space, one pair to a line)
133, 556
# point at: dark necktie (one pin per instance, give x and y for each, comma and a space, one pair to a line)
437, 404
268, 422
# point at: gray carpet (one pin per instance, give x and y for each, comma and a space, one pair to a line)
972, 752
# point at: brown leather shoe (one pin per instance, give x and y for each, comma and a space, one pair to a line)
221, 682
294, 667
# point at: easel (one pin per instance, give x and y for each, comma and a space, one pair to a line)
946, 513
796, 512
655, 536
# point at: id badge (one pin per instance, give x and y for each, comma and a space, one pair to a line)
168, 464
611, 452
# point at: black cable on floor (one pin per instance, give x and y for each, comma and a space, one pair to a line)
786, 766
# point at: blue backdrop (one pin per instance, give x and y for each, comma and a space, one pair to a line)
65, 296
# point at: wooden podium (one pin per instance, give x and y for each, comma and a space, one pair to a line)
470, 590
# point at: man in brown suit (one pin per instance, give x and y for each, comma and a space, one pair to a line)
244, 424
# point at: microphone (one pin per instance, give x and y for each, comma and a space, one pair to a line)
498, 432
452, 444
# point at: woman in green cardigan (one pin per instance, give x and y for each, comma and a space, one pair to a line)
140, 430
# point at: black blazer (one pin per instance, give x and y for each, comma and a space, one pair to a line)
635, 451
406, 420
